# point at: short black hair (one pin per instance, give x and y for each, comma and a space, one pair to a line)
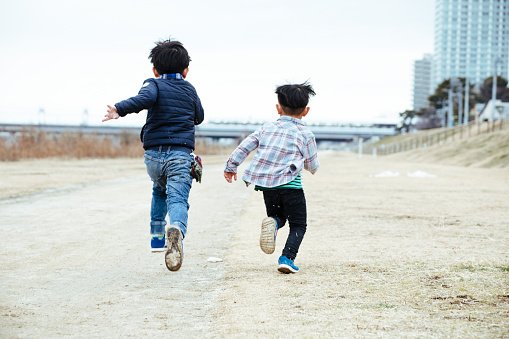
169, 57
294, 98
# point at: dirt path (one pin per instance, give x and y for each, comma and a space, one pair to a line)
383, 256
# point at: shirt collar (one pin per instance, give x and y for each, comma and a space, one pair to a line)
291, 119
172, 76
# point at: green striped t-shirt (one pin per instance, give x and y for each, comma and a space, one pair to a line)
294, 184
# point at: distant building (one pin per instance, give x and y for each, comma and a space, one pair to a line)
469, 36
501, 111
422, 81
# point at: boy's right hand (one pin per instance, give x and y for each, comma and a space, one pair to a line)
111, 113
229, 176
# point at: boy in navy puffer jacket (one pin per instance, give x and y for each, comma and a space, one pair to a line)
174, 108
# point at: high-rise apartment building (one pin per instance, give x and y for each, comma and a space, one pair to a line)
470, 35
422, 82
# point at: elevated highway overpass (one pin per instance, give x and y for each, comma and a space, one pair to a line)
321, 132
231, 130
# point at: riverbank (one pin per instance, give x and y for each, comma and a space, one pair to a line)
393, 249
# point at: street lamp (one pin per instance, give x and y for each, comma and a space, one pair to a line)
459, 95
494, 87
454, 85
450, 103
442, 113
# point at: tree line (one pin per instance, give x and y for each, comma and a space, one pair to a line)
434, 115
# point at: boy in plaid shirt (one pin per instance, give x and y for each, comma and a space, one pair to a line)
285, 147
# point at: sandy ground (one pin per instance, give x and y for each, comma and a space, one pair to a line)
384, 256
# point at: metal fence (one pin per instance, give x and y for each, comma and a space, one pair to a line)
429, 138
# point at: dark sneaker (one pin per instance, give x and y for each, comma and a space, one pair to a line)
286, 265
268, 235
175, 252
157, 233
158, 243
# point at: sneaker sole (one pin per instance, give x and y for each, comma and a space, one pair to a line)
174, 254
286, 269
157, 250
267, 238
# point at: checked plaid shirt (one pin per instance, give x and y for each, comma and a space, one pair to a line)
285, 147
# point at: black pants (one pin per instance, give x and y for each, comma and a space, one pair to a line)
288, 204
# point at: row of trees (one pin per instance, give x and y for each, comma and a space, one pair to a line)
431, 116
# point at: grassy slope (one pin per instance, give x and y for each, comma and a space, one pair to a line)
484, 150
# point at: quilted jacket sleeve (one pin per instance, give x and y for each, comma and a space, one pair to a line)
198, 112
146, 98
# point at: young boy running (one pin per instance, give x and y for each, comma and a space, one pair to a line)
174, 109
284, 148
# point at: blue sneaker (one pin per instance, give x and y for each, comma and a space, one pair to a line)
158, 239
268, 235
158, 243
286, 265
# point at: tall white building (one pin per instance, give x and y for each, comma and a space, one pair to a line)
469, 36
422, 82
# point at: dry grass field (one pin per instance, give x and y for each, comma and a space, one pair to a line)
38, 145
33, 144
402, 255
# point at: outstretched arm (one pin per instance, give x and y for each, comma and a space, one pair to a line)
145, 99
240, 154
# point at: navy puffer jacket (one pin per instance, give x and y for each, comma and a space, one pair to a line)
174, 108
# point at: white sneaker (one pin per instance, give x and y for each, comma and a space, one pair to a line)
268, 235
175, 250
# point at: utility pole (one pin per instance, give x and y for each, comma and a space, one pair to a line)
85, 118
494, 89
467, 104
442, 113
42, 116
450, 105
459, 94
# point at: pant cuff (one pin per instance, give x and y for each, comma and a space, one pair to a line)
179, 226
157, 227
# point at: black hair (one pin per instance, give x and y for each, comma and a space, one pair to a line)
169, 57
294, 98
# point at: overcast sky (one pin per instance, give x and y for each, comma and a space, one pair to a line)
69, 56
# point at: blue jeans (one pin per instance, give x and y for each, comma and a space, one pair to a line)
170, 171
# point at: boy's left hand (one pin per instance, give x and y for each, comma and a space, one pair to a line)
112, 113
229, 176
